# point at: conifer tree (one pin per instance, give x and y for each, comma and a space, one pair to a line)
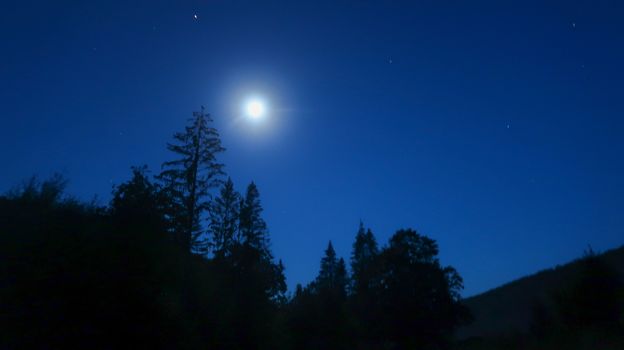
189, 178
362, 259
333, 273
329, 267
224, 219
320, 315
253, 229
365, 280
138, 199
253, 248
341, 280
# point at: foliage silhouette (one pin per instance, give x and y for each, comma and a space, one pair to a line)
224, 221
143, 272
189, 179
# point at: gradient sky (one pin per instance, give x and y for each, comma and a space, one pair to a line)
494, 128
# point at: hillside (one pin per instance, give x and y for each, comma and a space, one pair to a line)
507, 309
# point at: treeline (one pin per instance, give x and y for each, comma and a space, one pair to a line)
183, 260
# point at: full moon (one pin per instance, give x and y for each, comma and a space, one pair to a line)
255, 108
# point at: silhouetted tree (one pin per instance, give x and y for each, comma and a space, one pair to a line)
365, 280
252, 253
49, 191
139, 200
332, 276
253, 229
243, 257
319, 316
189, 178
420, 299
363, 258
224, 220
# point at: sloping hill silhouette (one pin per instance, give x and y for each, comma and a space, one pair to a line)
508, 309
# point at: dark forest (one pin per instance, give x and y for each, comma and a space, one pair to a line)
181, 259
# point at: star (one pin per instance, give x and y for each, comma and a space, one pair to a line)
573, 24
195, 16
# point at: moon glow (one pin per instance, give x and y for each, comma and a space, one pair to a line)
255, 108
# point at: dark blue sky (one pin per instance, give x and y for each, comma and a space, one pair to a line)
495, 129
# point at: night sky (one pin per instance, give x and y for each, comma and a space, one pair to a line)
495, 129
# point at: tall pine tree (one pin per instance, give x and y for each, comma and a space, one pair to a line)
253, 244
189, 178
253, 229
362, 259
365, 280
224, 220
333, 274
258, 282
319, 317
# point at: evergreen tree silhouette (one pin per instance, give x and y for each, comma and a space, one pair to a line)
332, 277
253, 229
139, 200
363, 257
329, 269
189, 178
259, 283
224, 220
321, 309
254, 252
365, 280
